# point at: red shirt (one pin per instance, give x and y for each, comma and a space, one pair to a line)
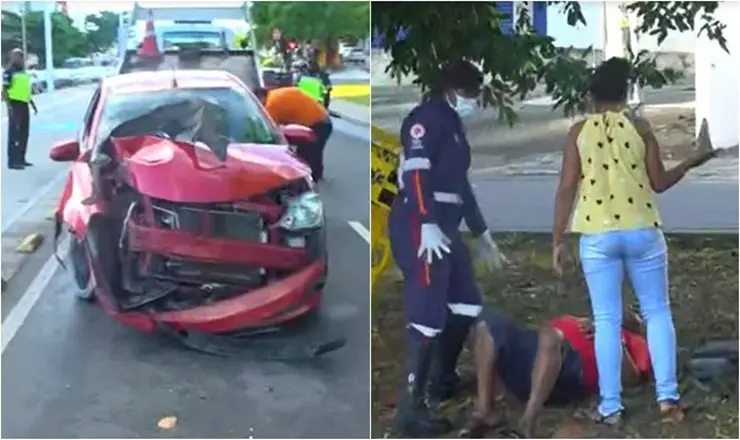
583, 344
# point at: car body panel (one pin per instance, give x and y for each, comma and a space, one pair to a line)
162, 169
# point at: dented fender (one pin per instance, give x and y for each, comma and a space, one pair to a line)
70, 211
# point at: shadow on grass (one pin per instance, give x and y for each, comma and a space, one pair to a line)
703, 271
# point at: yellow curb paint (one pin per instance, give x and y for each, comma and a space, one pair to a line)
349, 90
30, 243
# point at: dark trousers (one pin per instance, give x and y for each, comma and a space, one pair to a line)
430, 291
313, 153
18, 127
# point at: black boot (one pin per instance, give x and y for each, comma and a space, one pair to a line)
413, 418
444, 378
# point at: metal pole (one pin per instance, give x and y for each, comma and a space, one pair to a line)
253, 41
48, 46
24, 41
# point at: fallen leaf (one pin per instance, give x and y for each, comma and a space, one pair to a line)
167, 423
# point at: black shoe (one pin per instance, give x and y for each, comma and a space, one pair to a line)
27, 164
16, 166
444, 380
413, 418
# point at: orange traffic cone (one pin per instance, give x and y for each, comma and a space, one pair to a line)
148, 47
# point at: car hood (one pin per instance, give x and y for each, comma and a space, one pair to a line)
182, 172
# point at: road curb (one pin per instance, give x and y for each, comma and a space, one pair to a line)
16, 254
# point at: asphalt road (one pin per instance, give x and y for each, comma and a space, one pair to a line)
69, 371
694, 205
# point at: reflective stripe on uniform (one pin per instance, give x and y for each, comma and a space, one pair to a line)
417, 163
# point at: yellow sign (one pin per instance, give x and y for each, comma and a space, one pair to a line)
385, 157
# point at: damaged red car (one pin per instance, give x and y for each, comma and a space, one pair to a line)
187, 210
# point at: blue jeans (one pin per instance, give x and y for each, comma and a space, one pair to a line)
644, 256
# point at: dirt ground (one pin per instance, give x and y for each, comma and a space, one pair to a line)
704, 283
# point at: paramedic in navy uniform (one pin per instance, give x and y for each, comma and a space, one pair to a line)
441, 298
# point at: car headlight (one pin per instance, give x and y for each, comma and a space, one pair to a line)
303, 212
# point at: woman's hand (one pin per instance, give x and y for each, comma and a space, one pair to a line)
557, 258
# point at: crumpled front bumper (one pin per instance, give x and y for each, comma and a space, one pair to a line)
281, 299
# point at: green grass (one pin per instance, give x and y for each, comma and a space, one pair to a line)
703, 274
362, 100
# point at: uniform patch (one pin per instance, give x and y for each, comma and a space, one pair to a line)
417, 131
416, 144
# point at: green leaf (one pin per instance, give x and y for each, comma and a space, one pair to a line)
515, 65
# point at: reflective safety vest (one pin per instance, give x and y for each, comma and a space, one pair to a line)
312, 87
20, 88
241, 41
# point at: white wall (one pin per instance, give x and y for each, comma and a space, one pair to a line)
718, 81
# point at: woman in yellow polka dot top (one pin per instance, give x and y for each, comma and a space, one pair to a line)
611, 172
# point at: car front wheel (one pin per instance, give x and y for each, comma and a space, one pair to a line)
80, 268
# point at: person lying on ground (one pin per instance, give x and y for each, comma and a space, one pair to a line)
555, 364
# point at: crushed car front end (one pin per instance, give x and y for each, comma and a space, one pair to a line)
226, 266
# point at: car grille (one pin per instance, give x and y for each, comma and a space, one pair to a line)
214, 220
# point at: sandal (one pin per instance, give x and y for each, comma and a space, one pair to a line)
479, 428
511, 433
671, 411
614, 419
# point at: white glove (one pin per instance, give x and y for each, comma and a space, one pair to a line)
433, 240
488, 251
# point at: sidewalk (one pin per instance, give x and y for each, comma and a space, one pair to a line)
356, 113
526, 205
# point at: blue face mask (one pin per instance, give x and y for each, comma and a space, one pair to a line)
465, 106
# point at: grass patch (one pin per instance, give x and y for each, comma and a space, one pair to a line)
362, 100
703, 273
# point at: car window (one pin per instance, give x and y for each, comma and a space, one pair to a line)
87, 121
240, 118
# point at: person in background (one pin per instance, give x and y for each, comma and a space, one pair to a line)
315, 83
289, 105
18, 95
441, 297
611, 170
554, 364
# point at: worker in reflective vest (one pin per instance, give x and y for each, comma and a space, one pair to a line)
17, 93
316, 84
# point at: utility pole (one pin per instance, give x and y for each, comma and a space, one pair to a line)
24, 40
626, 25
48, 46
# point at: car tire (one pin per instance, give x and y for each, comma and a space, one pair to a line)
80, 270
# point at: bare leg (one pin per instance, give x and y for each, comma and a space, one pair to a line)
547, 365
485, 360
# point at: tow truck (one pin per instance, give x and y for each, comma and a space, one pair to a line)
200, 20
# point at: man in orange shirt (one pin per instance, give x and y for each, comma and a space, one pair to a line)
289, 105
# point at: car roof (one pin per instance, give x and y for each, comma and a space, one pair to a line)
162, 80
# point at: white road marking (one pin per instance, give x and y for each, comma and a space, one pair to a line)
40, 194
22, 309
361, 230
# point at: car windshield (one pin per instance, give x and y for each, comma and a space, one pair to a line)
207, 39
231, 114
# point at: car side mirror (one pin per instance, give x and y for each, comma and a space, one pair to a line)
298, 134
65, 151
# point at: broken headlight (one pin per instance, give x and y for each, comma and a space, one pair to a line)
303, 212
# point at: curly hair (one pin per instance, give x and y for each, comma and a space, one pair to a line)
611, 80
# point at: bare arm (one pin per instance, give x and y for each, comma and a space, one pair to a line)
569, 181
484, 370
660, 178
